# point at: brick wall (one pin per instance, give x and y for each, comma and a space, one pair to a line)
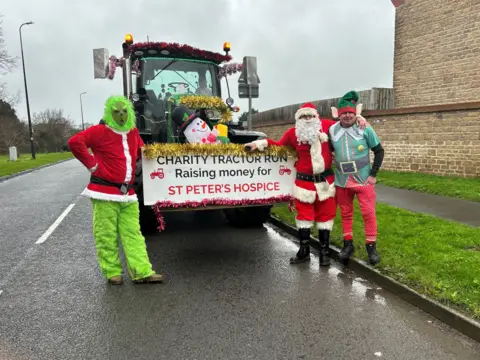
437, 52
443, 143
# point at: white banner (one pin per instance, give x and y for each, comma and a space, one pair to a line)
196, 178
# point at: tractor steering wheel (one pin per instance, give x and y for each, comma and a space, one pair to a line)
175, 84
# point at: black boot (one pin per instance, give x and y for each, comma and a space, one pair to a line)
372, 253
347, 250
303, 253
324, 239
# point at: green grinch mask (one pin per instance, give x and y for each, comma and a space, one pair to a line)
119, 113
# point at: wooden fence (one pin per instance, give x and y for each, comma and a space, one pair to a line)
373, 99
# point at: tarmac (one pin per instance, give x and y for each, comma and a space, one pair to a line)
462, 211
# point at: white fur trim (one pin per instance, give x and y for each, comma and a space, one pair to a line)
109, 197
261, 144
303, 224
318, 164
305, 111
327, 225
304, 195
128, 159
93, 168
334, 112
325, 190
359, 109
323, 137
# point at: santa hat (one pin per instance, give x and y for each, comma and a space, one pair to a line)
347, 103
306, 109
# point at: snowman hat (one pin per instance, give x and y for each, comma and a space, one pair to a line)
306, 109
187, 120
182, 116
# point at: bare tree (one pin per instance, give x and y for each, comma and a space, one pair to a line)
52, 130
13, 132
7, 62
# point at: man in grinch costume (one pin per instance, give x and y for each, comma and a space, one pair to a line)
354, 176
314, 188
115, 145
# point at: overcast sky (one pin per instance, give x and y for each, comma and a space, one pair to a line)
306, 50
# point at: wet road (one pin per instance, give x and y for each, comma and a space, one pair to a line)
229, 294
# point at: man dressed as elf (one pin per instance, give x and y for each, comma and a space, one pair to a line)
314, 188
354, 176
116, 145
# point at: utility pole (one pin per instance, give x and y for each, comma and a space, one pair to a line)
81, 109
32, 145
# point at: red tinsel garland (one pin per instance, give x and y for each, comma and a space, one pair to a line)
185, 49
214, 202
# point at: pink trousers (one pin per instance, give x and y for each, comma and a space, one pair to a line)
367, 199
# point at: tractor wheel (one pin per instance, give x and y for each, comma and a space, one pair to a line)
248, 217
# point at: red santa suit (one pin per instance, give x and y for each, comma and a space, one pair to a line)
113, 161
314, 200
314, 188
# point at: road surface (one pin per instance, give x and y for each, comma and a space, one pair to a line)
229, 294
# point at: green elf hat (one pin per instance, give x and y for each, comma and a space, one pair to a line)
347, 103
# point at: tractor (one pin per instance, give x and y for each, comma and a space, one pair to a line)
153, 74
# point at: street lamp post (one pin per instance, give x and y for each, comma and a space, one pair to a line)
81, 109
32, 145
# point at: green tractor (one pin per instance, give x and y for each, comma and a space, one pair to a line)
156, 75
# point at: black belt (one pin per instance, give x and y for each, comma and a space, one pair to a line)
123, 187
316, 178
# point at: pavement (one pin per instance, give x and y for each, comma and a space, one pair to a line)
229, 294
458, 210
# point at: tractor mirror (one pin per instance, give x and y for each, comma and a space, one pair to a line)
100, 63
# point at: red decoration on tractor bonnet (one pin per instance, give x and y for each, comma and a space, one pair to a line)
185, 50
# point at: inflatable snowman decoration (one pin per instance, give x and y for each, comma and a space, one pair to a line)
199, 132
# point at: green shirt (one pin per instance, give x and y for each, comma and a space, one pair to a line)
352, 144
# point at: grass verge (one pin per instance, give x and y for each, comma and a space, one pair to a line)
435, 257
25, 162
451, 186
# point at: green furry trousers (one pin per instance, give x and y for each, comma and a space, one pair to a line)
111, 219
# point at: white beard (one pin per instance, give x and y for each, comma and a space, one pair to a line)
307, 131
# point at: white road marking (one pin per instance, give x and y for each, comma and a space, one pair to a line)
52, 228
1, 291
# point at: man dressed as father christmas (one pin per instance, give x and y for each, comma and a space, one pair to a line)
314, 188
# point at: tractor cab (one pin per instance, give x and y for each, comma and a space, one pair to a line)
158, 77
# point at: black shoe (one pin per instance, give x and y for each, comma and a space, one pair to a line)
324, 239
303, 253
347, 250
372, 253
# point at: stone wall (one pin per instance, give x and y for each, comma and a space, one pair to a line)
437, 52
442, 143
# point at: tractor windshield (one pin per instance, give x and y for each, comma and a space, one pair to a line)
162, 78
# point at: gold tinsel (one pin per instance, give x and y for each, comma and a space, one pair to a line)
207, 102
151, 151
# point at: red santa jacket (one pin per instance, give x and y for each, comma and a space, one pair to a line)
317, 157
114, 159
